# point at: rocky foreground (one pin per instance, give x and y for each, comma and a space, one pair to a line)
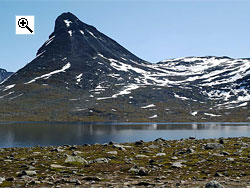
192, 163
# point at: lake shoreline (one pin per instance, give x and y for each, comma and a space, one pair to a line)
123, 123
159, 163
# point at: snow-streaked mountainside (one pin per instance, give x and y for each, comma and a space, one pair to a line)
4, 74
80, 74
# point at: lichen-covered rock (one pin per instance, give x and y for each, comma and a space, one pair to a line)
71, 159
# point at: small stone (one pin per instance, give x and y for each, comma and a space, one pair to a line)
159, 140
72, 147
224, 153
121, 147
92, 178
178, 184
78, 182
143, 183
75, 153
141, 156
160, 154
10, 179
177, 165
142, 171
36, 153
29, 173
138, 143
229, 159
57, 166
134, 169
152, 146
152, 161
2, 179
217, 174
174, 158
101, 160
112, 152
189, 151
213, 184
221, 141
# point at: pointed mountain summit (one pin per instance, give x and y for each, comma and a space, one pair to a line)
80, 74
79, 47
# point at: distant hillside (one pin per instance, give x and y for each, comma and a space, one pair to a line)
4, 74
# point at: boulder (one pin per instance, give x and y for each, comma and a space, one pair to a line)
213, 184
213, 146
71, 159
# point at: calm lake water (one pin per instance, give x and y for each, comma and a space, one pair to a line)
43, 134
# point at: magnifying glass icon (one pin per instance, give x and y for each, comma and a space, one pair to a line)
23, 23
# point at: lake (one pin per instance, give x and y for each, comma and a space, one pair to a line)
43, 134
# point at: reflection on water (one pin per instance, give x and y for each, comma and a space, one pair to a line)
30, 134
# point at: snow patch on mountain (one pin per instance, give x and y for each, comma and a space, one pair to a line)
70, 33
48, 75
9, 87
79, 78
67, 22
212, 115
148, 106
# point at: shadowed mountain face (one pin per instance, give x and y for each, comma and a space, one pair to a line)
80, 74
4, 74
81, 49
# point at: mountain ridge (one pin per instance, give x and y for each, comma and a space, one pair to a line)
80, 74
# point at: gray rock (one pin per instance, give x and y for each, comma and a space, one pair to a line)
29, 173
213, 146
134, 169
224, 153
153, 146
159, 140
221, 141
2, 179
217, 174
160, 154
101, 160
177, 164
229, 159
213, 184
189, 151
141, 171
57, 166
71, 159
138, 143
141, 156
112, 152
174, 158
121, 147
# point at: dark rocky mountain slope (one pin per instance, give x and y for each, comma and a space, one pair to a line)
80, 74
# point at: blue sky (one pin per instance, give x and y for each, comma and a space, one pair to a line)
153, 30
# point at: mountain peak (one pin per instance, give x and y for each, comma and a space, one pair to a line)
68, 21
